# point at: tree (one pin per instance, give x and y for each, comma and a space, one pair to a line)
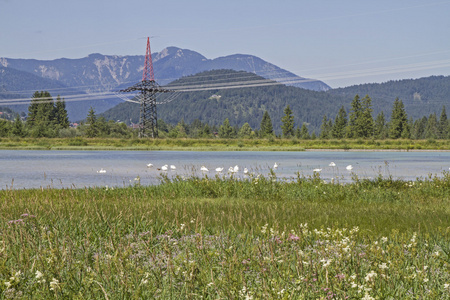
304, 133
41, 117
91, 120
431, 129
245, 131
266, 128
325, 129
288, 123
18, 128
61, 117
379, 128
355, 116
366, 119
399, 120
443, 124
225, 130
338, 130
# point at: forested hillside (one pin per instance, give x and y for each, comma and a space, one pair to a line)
239, 105
421, 97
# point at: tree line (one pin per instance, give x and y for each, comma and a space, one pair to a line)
47, 118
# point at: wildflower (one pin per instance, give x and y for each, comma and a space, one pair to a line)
446, 285
425, 280
54, 284
24, 215
384, 239
367, 297
370, 276
39, 275
383, 266
182, 226
293, 237
326, 262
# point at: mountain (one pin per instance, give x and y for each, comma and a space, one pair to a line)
239, 105
17, 88
99, 73
421, 97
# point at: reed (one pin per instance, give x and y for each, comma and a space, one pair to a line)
221, 237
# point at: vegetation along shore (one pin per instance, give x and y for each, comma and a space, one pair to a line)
224, 238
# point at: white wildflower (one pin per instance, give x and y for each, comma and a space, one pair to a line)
425, 280
384, 239
383, 266
367, 297
370, 276
446, 285
54, 284
182, 226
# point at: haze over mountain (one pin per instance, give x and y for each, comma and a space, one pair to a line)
103, 73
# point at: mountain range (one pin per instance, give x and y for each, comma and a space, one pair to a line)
97, 73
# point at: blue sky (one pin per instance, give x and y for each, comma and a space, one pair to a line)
340, 42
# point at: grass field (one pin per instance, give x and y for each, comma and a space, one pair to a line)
223, 238
272, 144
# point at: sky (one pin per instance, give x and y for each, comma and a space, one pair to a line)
342, 43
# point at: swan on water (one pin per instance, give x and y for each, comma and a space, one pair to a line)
172, 167
204, 169
219, 169
275, 166
149, 165
349, 167
332, 164
317, 170
165, 168
101, 171
245, 171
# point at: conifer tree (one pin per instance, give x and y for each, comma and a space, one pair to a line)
304, 133
266, 127
431, 129
379, 129
288, 123
443, 124
340, 122
399, 120
225, 130
325, 129
91, 120
355, 130
61, 117
18, 128
366, 119
245, 131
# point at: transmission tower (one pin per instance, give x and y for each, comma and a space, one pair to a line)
148, 89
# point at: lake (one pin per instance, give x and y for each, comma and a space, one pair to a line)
64, 169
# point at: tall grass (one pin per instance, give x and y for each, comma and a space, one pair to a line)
228, 238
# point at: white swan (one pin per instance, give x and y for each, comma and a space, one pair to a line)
236, 168
349, 167
245, 171
172, 167
101, 171
275, 166
317, 170
149, 165
219, 169
204, 169
332, 164
165, 168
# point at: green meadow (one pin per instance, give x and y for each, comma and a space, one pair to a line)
220, 144
228, 238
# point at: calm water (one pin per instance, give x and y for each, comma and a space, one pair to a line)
60, 169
